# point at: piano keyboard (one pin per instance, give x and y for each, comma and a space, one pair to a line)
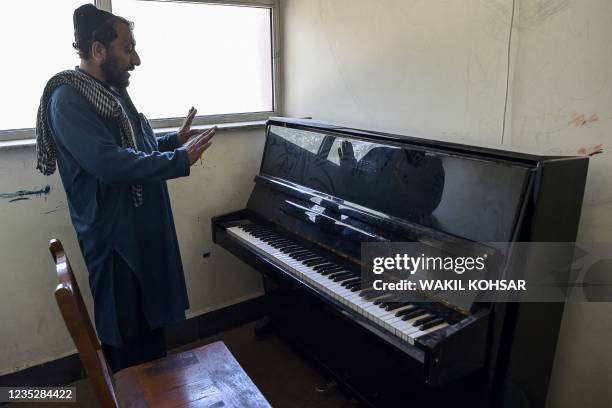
405, 320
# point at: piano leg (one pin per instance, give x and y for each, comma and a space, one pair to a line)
273, 308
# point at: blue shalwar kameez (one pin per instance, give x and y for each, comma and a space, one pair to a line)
118, 240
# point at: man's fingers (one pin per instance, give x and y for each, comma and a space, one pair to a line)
206, 136
197, 133
189, 118
202, 138
191, 114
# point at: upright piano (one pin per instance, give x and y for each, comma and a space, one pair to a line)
323, 190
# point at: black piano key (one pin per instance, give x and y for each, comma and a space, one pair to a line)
388, 303
265, 236
374, 295
314, 262
424, 320
305, 256
432, 323
249, 227
354, 285
290, 244
280, 245
253, 227
301, 256
297, 251
348, 283
298, 248
334, 274
278, 241
412, 311
329, 267
265, 232
325, 265
413, 314
260, 231
288, 248
367, 292
329, 271
341, 277
271, 238
384, 300
397, 305
316, 259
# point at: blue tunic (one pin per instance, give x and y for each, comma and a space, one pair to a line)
97, 174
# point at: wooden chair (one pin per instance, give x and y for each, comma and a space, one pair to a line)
204, 376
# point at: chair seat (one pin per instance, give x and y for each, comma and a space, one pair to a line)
207, 376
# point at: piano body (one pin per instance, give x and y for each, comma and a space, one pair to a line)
323, 190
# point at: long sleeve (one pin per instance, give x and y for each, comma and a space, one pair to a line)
168, 142
92, 144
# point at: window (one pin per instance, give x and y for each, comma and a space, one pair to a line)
37, 37
214, 55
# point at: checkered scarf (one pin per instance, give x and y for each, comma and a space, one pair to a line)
106, 105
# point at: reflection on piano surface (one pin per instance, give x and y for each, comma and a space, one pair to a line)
324, 190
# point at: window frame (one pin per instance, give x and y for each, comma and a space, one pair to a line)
203, 120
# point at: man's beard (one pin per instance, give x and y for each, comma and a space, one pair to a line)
113, 75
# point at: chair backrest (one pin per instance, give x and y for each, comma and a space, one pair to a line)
81, 329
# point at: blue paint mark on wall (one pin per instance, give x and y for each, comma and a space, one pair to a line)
22, 194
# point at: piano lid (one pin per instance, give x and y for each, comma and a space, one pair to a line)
502, 152
473, 193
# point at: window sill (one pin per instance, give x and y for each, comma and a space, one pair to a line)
257, 124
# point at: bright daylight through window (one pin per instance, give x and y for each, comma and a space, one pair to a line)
217, 58
35, 45
214, 57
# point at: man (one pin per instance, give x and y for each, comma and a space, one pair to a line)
113, 169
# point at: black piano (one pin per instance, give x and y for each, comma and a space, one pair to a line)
323, 190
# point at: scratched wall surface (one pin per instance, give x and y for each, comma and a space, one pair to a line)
438, 69
32, 331
562, 98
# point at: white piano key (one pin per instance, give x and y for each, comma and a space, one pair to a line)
415, 335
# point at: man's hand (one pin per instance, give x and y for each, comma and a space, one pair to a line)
185, 132
196, 147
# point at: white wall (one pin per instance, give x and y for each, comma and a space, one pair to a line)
437, 69
427, 68
31, 329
